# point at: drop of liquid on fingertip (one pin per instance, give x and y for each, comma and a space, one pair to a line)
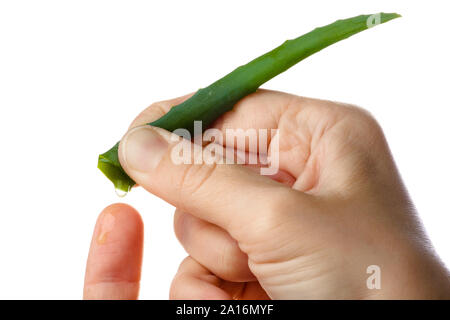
102, 238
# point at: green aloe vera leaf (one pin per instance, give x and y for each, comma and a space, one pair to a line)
209, 103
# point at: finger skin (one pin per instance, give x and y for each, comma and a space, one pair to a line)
213, 247
195, 282
114, 263
213, 192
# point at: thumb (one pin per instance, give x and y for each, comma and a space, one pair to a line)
230, 196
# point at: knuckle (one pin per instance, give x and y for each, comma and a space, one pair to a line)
154, 111
178, 223
175, 292
365, 121
157, 109
176, 287
228, 261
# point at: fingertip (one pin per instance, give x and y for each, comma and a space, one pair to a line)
125, 212
114, 264
119, 221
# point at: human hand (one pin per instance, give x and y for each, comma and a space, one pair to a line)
336, 207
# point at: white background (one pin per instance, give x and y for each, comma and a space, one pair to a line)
73, 75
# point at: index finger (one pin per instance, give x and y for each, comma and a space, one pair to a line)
113, 268
265, 107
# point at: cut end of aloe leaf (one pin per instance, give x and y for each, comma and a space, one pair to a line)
109, 164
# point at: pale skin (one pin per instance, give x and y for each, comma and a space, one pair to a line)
337, 206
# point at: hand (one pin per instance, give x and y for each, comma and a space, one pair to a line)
336, 207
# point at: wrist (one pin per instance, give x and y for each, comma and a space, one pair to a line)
418, 274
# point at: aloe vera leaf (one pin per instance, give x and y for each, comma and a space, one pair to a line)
209, 103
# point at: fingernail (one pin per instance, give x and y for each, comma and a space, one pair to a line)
143, 148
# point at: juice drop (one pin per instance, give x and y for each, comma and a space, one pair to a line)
121, 193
